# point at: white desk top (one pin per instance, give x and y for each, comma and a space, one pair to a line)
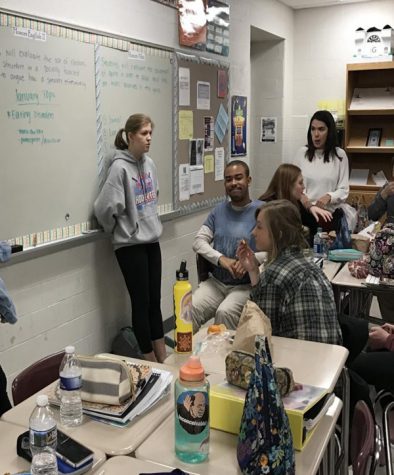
223, 448
11, 462
318, 364
110, 439
345, 278
131, 465
330, 268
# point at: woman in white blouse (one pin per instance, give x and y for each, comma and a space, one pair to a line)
325, 168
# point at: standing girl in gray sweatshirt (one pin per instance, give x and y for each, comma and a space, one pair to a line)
127, 208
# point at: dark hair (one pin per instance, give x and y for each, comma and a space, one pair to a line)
330, 147
134, 123
283, 221
282, 183
243, 164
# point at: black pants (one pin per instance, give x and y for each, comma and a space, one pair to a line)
376, 368
141, 269
5, 404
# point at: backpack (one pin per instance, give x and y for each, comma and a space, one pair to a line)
265, 443
125, 344
381, 253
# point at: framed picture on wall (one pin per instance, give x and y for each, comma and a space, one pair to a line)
374, 136
238, 125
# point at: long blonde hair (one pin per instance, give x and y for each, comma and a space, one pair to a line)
283, 221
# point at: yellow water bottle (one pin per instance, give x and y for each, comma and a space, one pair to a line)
183, 311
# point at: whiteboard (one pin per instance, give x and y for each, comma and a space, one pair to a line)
49, 175
137, 81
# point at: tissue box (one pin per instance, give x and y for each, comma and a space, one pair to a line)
227, 404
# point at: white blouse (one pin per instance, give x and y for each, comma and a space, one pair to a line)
322, 178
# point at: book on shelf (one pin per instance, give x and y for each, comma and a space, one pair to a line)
365, 98
150, 388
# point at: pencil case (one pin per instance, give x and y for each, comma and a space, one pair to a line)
240, 366
106, 380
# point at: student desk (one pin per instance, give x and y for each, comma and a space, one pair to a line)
331, 268
111, 440
223, 448
130, 465
312, 363
360, 296
11, 462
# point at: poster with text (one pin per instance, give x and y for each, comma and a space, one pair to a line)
238, 125
268, 129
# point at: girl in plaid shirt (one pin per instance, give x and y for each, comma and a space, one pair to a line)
292, 290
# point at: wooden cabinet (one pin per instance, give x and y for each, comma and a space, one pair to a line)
365, 111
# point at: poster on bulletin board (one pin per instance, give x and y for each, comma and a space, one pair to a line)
238, 125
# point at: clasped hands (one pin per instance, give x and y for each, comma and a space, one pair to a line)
246, 261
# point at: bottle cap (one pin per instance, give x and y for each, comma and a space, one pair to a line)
192, 370
182, 273
42, 400
70, 349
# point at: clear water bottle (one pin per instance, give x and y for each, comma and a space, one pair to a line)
70, 389
318, 243
192, 412
43, 438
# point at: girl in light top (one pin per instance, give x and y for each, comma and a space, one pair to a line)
288, 183
127, 208
325, 168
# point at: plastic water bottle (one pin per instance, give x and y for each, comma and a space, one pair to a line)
318, 244
70, 389
192, 412
43, 438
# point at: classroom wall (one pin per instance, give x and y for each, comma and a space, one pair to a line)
77, 296
323, 45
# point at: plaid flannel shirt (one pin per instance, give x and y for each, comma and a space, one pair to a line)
298, 298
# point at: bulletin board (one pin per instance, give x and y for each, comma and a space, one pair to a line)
65, 94
195, 120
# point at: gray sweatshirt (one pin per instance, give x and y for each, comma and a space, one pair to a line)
127, 203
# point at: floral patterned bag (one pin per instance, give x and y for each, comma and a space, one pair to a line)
381, 253
265, 444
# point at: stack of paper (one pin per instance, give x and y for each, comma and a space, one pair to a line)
359, 176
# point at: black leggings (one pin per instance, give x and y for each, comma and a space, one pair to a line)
141, 268
5, 404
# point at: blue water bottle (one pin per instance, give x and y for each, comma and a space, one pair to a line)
192, 412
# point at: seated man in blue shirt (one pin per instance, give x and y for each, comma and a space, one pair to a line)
223, 295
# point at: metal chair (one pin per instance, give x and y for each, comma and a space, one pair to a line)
388, 434
36, 376
365, 443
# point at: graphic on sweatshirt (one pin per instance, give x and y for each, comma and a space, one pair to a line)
144, 191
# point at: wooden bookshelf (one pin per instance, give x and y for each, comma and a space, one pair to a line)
359, 120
